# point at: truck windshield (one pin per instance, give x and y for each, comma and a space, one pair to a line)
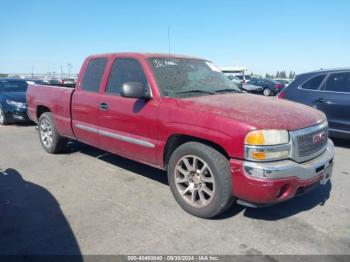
185, 77
13, 86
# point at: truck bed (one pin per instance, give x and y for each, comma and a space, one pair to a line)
55, 99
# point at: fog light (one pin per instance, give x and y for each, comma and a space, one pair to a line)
282, 191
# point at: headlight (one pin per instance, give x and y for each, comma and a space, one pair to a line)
16, 104
267, 137
267, 145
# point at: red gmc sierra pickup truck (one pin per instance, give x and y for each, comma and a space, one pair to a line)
183, 115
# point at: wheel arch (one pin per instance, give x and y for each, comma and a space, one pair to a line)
41, 110
176, 140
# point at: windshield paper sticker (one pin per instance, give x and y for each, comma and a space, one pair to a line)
213, 67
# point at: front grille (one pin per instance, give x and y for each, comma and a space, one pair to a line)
310, 142
306, 145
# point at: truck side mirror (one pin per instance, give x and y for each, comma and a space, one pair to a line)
135, 90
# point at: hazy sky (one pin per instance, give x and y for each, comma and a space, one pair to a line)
264, 36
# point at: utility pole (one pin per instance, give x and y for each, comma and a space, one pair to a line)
169, 50
69, 66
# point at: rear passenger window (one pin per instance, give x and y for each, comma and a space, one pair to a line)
125, 70
93, 74
314, 83
339, 82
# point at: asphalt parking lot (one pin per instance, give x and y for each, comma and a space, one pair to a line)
90, 202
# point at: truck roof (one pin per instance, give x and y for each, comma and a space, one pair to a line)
145, 55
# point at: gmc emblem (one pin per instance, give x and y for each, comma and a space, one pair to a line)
319, 137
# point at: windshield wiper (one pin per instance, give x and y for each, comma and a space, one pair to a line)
227, 90
195, 91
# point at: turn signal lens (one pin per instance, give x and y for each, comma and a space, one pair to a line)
263, 153
255, 138
258, 155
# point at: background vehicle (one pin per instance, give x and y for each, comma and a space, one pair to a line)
270, 87
68, 82
245, 86
285, 82
243, 78
40, 82
183, 115
234, 79
328, 91
13, 106
54, 82
252, 88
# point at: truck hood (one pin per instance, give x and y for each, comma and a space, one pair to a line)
258, 111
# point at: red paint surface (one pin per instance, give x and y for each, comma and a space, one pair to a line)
262, 191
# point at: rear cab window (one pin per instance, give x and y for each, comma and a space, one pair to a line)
93, 74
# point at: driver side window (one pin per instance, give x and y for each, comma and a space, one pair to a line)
125, 70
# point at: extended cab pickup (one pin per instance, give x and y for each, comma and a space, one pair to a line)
183, 115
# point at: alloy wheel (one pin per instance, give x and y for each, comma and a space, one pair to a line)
46, 133
194, 181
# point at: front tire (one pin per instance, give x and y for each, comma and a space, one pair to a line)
200, 179
3, 120
50, 139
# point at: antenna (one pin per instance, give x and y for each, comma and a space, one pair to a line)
169, 40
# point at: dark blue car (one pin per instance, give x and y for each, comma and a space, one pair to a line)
13, 105
269, 87
328, 91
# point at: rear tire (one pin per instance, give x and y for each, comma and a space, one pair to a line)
267, 92
3, 120
50, 139
200, 179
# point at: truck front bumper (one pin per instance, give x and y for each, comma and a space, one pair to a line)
273, 182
